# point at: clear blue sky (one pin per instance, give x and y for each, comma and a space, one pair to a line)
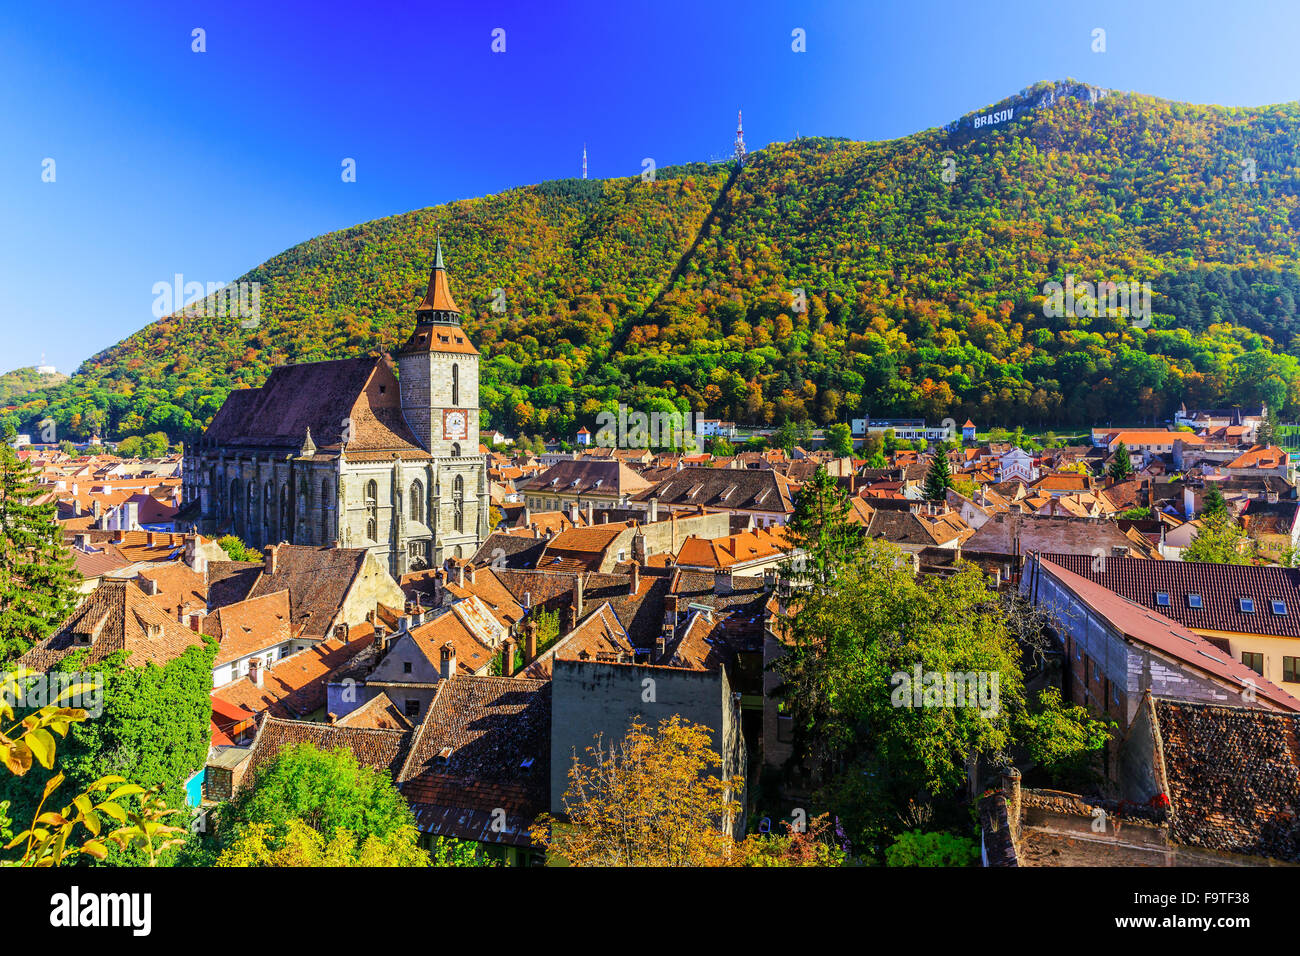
209, 163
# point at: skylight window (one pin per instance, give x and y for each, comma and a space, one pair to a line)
1279, 608
1162, 599
1194, 600
1247, 605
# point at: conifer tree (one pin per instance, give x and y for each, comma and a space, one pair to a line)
939, 479
1121, 468
37, 577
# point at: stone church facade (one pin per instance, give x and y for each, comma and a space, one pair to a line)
347, 453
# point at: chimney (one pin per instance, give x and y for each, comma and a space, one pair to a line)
661, 649
507, 657
573, 513
148, 585
654, 510
460, 574
636, 580
447, 661
528, 600
591, 514
604, 517
577, 598
722, 581
153, 539
528, 517
1189, 502
94, 507
272, 560
82, 541
469, 574
530, 641
1011, 791
670, 615
255, 672
381, 638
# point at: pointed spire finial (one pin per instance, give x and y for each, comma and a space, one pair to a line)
308, 446
437, 256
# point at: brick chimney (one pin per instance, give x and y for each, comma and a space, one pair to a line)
1011, 791
148, 585
255, 672
636, 580
447, 661
507, 657
272, 562
530, 641
722, 580
654, 510
591, 514
577, 598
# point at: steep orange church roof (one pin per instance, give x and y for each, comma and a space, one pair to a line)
438, 296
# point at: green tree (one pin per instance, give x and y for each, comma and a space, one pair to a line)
839, 439
938, 479
325, 790
236, 550
915, 848
1212, 503
37, 577
298, 844
1219, 541
1121, 466
785, 437
820, 538
1064, 740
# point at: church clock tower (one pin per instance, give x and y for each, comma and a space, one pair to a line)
439, 374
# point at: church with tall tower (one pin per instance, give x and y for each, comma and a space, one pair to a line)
355, 453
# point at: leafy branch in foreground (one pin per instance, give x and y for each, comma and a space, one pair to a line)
49, 839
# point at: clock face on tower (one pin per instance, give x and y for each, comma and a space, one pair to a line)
455, 424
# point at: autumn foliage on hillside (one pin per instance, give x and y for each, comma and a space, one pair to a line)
923, 281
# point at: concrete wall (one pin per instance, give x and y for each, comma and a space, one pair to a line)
589, 697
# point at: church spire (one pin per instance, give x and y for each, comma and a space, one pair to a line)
438, 305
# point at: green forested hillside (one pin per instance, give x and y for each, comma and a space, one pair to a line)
923, 261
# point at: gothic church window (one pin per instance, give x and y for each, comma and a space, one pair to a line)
417, 502
455, 384
458, 503
372, 511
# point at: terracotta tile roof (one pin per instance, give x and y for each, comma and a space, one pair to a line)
714, 553
250, 626
180, 588
484, 745
1220, 586
1015, 533
729, 489
586, 477
1259, 456
379, 713
473, 653
1234, 777
296, 685
381, 749
1165, 634
116, 616
599, 637
318, 580
322, 396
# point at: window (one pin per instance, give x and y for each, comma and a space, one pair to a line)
1279, 608
1193, 600
372, 510
412, 707
1291, 669
1254, 661
406, 667
455, 449
417, 502
455, 384
1247, 605
325, 536
1162, 599
458, 503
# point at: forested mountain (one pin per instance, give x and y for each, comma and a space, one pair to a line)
923, 261
23, 381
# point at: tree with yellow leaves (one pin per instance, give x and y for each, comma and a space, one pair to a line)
656, 798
